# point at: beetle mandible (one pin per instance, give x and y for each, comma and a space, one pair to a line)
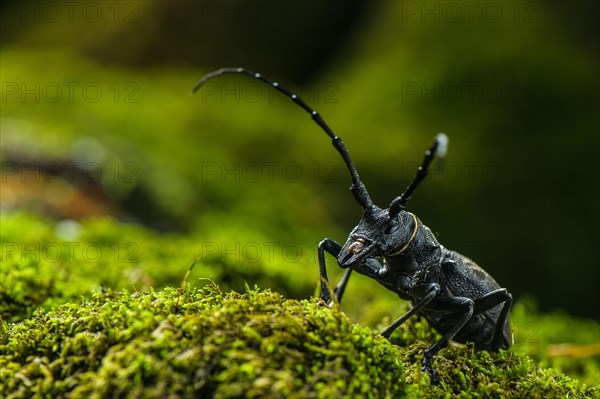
392, 246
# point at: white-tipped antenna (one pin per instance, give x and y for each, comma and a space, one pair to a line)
439, 147
442, 147
440, 152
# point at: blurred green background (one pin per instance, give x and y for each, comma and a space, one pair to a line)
96, 104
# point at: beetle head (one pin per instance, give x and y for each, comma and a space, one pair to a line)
376, 234
384, 231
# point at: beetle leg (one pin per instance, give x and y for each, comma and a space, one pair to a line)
487, 302
464, 305
370, 267
341, 286
430, 291
330, 246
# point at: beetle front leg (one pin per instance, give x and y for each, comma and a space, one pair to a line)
330, 246
339, 289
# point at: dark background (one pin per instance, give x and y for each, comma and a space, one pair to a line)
515, 85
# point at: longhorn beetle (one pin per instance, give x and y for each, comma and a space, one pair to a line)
392, 246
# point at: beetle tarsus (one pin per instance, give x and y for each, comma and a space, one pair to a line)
428, 368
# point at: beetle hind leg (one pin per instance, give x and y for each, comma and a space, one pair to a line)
501, 338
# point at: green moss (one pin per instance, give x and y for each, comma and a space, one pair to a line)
136, 344
256, 344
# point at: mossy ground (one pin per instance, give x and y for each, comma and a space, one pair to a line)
256, 344
141, 344
61, 335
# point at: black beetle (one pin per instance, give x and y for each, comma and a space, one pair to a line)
392, 246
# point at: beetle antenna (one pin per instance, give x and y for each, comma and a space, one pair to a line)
358, 188
439, 148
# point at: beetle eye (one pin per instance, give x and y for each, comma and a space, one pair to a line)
356, 247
